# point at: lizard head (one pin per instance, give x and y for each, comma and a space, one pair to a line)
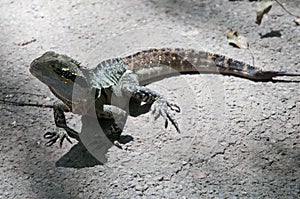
59, 72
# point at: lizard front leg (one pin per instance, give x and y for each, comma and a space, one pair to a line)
63, 131
118, 116
160, 106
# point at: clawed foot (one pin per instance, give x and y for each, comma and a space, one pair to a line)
114, 134
162, 107
122, 141
61, 134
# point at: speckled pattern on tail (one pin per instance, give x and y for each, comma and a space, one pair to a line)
158, 63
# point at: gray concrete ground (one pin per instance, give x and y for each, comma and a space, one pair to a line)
240, 139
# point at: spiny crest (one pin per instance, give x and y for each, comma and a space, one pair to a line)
110, 63
108, 73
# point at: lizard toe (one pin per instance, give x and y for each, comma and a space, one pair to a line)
162, 108
60, 135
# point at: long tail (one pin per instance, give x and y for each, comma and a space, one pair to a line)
270, 75
154, 64
293, 74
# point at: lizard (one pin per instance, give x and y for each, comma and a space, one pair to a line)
105, 91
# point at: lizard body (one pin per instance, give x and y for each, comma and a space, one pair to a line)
88, 91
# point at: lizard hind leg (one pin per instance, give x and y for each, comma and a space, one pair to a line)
160, 106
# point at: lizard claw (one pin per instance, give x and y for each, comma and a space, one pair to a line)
161, 108
60, 135
173, 107
52, 136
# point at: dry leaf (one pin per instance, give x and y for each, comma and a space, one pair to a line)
265, 7
297, 21
24, 43
236, 39
239, 41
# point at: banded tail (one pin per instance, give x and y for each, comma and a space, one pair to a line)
154, 64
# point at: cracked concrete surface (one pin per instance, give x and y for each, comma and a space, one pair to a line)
240, 139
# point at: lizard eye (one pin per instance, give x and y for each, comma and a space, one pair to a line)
65, 74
